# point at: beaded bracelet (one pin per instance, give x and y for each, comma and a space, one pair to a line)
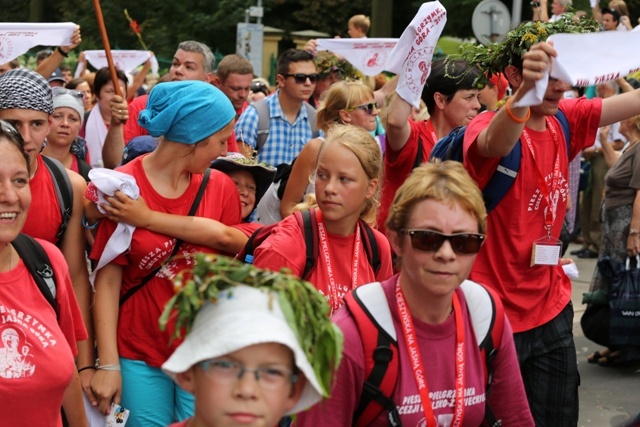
86, 367
108, 367
513, 116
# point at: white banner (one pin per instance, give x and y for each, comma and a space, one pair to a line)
411, 58
609, 57
17, 38
370, 56
125, 60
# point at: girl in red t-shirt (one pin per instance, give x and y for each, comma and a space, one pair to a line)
346, 182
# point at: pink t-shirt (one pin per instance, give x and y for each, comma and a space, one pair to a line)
44, 217
284, 248
399, 164
436, 344
37, 349
139, 337
531, 295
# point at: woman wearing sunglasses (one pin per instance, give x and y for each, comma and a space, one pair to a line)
347, 103
436, 225
346, 198
66, 120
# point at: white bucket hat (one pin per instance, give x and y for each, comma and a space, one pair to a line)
242, 316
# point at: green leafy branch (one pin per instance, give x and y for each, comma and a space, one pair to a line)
304, 308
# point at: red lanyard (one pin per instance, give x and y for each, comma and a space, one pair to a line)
334, 298
549, 191
432, 131
416, 360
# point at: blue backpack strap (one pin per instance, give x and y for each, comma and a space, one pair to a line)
564, 123
503, 177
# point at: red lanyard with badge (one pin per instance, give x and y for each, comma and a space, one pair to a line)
419, 373
334, 297
546, 250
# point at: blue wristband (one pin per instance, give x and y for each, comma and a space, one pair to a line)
87, 226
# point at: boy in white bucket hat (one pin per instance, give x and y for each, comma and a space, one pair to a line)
246, 361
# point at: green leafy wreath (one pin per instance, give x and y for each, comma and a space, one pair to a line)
495, 57
304, 308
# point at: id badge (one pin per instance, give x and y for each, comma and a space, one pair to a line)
117, 416
546, 251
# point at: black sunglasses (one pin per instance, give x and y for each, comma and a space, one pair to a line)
431, 241
366, 107
302, 78
57, 91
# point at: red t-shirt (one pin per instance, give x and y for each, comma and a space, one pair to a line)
37, 350
531, 295
248, 228
132, 128
139, 337
44, 217
284, 248
436, 344
399, 164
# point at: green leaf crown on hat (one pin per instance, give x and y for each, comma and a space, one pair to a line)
305, 309
494, 58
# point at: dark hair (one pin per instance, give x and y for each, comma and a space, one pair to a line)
9, 133
292, 55
43, 54
448, 77
74, 83
103, 76
612, 12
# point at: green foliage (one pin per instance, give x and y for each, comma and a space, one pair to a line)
304, 308
495, 57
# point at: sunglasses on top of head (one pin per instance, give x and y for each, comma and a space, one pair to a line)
431, 241
57, 91
302, 78
369, 108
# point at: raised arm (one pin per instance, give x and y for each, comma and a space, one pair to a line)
620, 107
132, 89
114, 141
398, 128
499, 138
49, 65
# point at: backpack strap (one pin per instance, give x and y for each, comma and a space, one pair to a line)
264, 122
371, 246
37, 261
418, 160
369, 308
311, 114
566, 130
192, 211
64, 192
488, 326
308, 223
83, 169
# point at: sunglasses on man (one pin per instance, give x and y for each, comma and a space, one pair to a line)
302, 78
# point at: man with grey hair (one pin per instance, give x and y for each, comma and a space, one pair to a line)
192, 61
558, 7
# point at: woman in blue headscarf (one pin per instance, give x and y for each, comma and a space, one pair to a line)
193, 121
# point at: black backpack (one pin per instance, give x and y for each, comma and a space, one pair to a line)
64, 192
308, 223
39, 265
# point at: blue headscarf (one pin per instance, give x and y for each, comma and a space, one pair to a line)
186, 112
